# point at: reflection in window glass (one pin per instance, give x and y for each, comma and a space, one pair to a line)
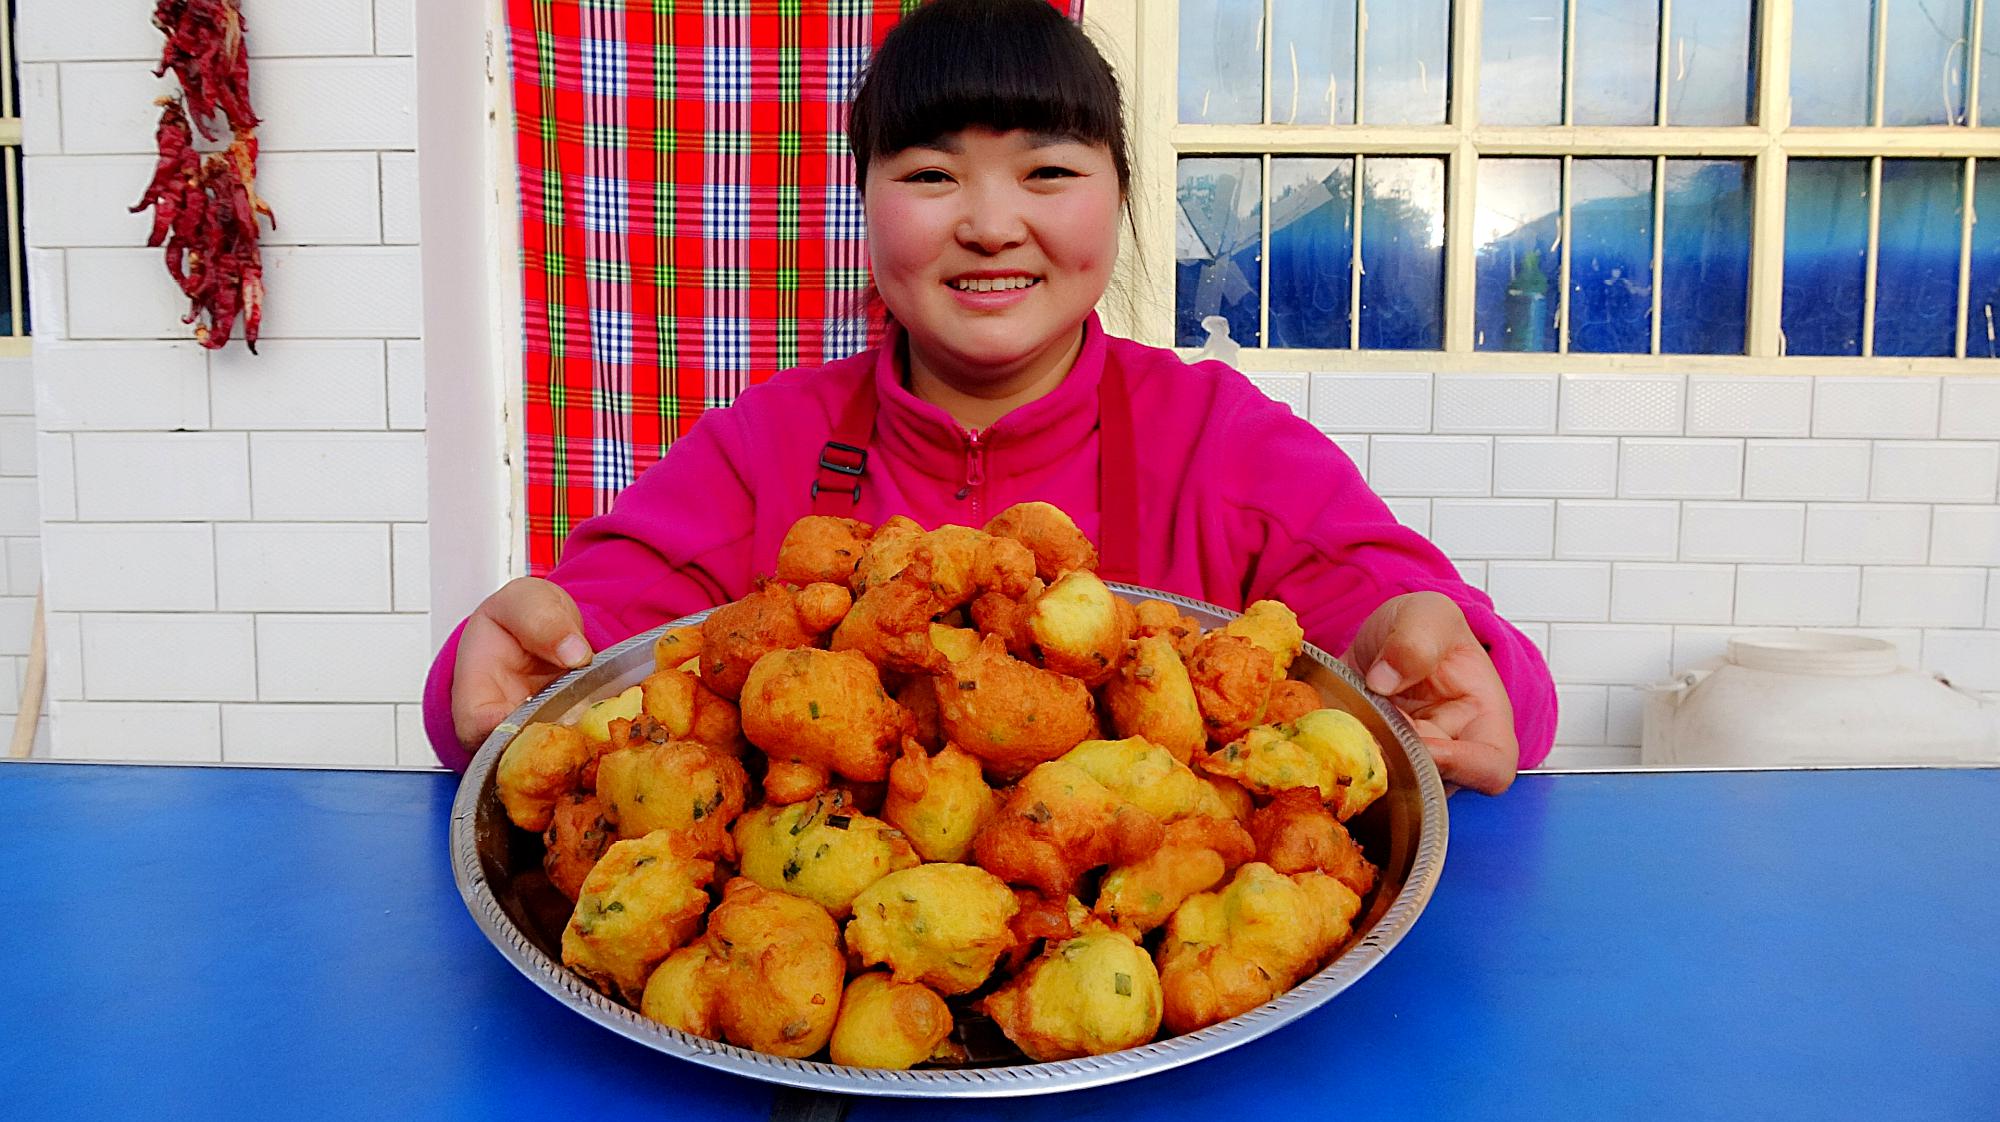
10, 232
1222, 62
1709, 63
1617, 62
1521, 63
1705, 257
1826, 249
1216, 251
1611, 256
1916, 272
1312, 63
1989, 66
1831, 46
1402, 254
1924, 62
1405, 81
1982, 327
1312, 252
1514, 230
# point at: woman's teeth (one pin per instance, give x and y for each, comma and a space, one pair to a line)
994, 284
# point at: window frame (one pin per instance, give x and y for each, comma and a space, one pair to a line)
16, 343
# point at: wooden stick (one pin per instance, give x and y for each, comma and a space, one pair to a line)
31, 689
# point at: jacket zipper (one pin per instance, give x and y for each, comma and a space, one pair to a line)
975, 472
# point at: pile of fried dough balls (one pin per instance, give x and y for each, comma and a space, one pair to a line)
954, 731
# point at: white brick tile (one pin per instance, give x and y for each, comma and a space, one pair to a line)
54, 31
1414, 513
309, 27
1867, 534
24, 566
339, 477
1993, 599
1768, 532
1617, 655
1430, 465
342, 292
123, 294
96, 193
406, 384
1876, 407
1624, 715
1694, 646
20, 509
412, 567
309, 735
8, 582
1798, 595
64, 631
1965, 535
17, 386
1372, 402
1829, 470
48, 292
322, 198
194, 657
1536, 633
1971, 409
1622, 404
130, 566
17, 446
1616, 531
107, 109
1471, 572
1597, 757
1356, 450
55, 465
1936, 472
1490, 528
402, 226
1290, 389
126, 731
335, 104
17, 624
1550, 590
333, 384
1555, 467
1516, 404
121, 386
1580, 714
1911, 597
395, 27
153, 477
10, 688
342, 658
1645, 593
41, 110
413, 748
1757, 406
302, 567
1680, 469
1970, 659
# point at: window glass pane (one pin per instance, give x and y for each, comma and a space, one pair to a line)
1708, 63
1982, 328
1989, 66
1216, 252
1312, 251
1514, 230
1222, 62
1924, 60
1312, 64
1831, 79
1826, 247
1705, 257
1402, 254
1521, 63
1611, 256
1916, 274
1617, 62
1405, 81
10, 233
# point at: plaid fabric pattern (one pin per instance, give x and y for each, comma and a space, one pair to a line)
689, 221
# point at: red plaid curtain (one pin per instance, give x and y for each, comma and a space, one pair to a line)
689, 221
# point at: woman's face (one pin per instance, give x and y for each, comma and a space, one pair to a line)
991, 248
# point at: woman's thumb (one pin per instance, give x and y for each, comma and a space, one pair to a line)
544, 620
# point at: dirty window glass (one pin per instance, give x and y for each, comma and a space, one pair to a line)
1514, 227
1217, 251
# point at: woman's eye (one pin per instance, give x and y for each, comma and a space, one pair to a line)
1052, 172
927, 175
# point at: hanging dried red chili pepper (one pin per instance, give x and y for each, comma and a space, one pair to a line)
205, 207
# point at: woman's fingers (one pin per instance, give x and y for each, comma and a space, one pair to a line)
1486, 768
1423, 629
520, 639
542, 618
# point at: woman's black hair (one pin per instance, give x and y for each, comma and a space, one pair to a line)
1004, 64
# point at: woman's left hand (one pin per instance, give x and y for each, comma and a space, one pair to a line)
1418, 651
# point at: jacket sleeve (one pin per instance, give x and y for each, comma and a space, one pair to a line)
676, 541
1325, 543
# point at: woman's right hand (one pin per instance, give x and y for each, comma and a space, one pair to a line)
518, 640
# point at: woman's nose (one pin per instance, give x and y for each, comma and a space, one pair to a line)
990, 227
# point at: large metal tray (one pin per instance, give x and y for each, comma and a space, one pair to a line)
498, 870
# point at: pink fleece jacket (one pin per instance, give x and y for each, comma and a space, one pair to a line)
1240, 500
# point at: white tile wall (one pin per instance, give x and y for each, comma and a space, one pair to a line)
131, 566
1414, 513
1550, 590
342, 658
1680, 469
335, 384
302, 567
1648, 593
1867, 534
413, 748
1521, 404
369, 477
1876, 407
1970, 659
363, 735
1616, 531
1936, 472
1965, 535
196, 656
1372, 402
1806, 469
1971, 409
1622, 404
1729, 406
1560, 467
1913, 597
1431, 465
1798, 595
1494, 527
1773, 532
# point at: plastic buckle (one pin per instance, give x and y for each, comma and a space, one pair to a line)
856, 492
855, 469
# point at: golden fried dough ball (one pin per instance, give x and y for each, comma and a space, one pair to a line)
1232, 679
942, 925
541, 764
1059, 822
939, 802
644, 898
1296, 833
676, 647
822, 606
1006, 618
595, 724
1151, 696
1272, 626
1085, 996
821, 849
689, 710
1159, 619
824, 709
685, 992
1290, 700
1233, 796
1194, 855
787, 782
679, 786
891, 624
821, 547
962, 562
1326, 749
889, 550
888, 1024
782, 970
1078, 628
1009, 714
1228, 952
1049, 534
956, 644
1148, 777
736, 635
577, 836
919, 697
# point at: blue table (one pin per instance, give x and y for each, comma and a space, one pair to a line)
222, 943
